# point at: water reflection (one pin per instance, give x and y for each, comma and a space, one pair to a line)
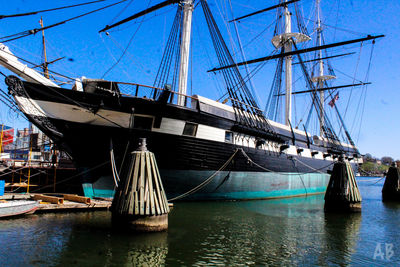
32, 240
97, 243
341, 237
276, 232
253, 232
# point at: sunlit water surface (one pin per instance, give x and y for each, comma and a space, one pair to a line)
270, 232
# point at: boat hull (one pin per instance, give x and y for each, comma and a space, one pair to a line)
90, 126
186, 162
17, 208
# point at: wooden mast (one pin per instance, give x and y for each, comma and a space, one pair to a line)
185, 50
286, 40
45, 63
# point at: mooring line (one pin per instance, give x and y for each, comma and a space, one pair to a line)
207, 181
259, 166
265, 169
113, 167
380, 179
318, 170
371, 180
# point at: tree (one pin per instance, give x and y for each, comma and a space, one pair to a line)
387, 160
368, 157
368, 167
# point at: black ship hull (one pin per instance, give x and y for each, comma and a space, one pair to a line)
190, 144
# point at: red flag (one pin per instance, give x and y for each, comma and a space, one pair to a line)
333, 101
8, 135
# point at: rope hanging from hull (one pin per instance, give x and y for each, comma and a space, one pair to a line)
206, 181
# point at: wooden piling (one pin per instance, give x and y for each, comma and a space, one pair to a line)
76, 198
391, 187
51, 199
140, 198
342, 193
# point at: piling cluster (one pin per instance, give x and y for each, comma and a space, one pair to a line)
140, 199
391, 187
342, 193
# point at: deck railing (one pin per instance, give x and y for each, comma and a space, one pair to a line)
154, 93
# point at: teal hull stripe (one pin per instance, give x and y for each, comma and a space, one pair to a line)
91, 192
233, 195
262, 194
238, 185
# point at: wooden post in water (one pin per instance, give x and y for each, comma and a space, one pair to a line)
342, 194
391, 187
140, 198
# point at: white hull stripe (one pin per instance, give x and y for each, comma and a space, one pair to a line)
73, 113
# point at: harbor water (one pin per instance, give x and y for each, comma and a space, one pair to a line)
279, 232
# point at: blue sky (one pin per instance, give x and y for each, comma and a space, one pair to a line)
90, 54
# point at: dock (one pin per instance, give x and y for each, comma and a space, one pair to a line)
61, 202
69, 206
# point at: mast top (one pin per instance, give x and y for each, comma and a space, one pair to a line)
281, 39
322, 78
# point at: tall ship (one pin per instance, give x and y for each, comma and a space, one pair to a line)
230, 148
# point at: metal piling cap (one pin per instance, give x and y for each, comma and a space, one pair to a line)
142, 145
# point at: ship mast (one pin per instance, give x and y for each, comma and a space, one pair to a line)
288, 68
184, 51
286, 40
45, 63
321, 72
185, 40
321, 78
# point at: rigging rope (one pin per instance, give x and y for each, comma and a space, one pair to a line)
126, 48
171, 54
366, 86
120, 12
6, 100
246, 110
130, 56
36, 30
214, 77
327, 128
252, 74
274, 100
29, 62
258, 35
47, 10
112, 54
242, 53
341, 29
354, 78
